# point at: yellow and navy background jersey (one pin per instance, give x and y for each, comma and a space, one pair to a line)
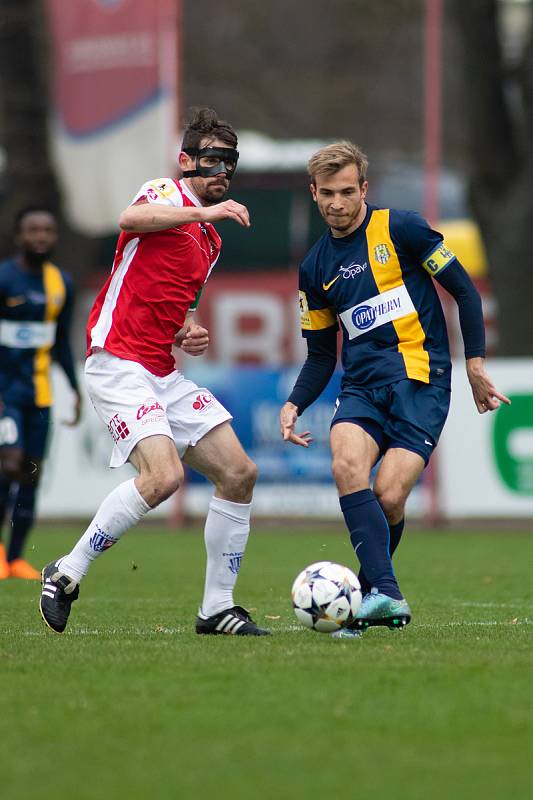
377, 283
35, 312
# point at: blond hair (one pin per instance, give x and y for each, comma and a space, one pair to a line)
336, 156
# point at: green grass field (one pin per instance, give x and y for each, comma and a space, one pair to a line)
131, 703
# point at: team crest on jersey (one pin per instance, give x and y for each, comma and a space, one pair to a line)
381, 253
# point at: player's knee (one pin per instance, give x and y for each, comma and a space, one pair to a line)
392, 501
240, 478
160, 484
348, 474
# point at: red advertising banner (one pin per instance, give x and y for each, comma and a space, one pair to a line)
112, 57
115, 96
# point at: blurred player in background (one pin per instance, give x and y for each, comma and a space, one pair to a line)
157, 418
373, 271
35, 312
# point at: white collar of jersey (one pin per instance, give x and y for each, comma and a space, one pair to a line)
190, 194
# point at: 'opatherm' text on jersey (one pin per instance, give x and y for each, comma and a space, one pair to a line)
377, 282
155, 280
35, 309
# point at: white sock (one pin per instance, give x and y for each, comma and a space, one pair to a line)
226, 532
119, 511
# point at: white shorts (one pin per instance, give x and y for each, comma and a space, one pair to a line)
135, 404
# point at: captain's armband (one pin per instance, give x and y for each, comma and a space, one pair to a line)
438, 260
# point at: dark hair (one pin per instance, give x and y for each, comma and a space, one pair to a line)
203, 123
24, 212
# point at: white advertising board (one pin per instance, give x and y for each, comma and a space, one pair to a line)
485, 463
77, 476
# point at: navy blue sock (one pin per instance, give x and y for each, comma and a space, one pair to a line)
395, 534
22, 519
5, 486
369, 534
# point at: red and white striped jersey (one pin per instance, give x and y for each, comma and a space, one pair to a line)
153, 283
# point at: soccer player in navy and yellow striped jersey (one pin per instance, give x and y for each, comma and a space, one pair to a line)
373, 275
35, 312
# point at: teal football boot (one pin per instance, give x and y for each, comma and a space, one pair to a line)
380, 609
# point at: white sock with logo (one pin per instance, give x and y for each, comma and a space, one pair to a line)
120, 510
226, 532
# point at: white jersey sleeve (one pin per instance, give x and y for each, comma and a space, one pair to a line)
162, 191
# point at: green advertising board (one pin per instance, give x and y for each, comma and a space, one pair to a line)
512, 443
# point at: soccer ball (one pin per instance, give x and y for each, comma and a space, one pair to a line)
326, 596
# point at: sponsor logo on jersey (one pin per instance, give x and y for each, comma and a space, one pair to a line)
381, 253
160, 189
352, 270
27, 334
118, 428
234, 561
364, 317
101, 540
8, 431
327, 286
12, 302
377, 311
203, 401
150, 405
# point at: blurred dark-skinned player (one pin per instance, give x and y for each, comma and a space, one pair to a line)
35, 311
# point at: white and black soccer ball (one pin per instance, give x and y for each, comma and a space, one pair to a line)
326, 596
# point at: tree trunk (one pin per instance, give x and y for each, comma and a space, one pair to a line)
501, 144
29, 177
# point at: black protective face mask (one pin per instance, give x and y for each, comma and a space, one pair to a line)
225, 157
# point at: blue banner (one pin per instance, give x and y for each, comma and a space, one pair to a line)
254, 396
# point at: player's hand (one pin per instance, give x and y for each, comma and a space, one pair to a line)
288, 417
193, 339
70, 423
229, 209
486, 396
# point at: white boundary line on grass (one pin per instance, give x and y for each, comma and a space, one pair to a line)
290, 628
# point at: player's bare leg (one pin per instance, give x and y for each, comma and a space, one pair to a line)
397, 475
354, 453
219, 456
160, 474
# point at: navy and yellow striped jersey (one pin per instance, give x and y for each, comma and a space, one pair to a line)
35, 312
377, 283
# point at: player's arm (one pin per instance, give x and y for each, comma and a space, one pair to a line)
319, 327
442, 264
147, 217
314, 376
458, 283
62, 351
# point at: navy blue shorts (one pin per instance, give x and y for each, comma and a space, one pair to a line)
408, 414
25, 427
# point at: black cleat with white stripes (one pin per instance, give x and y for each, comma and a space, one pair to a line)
57, 595
234, 621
